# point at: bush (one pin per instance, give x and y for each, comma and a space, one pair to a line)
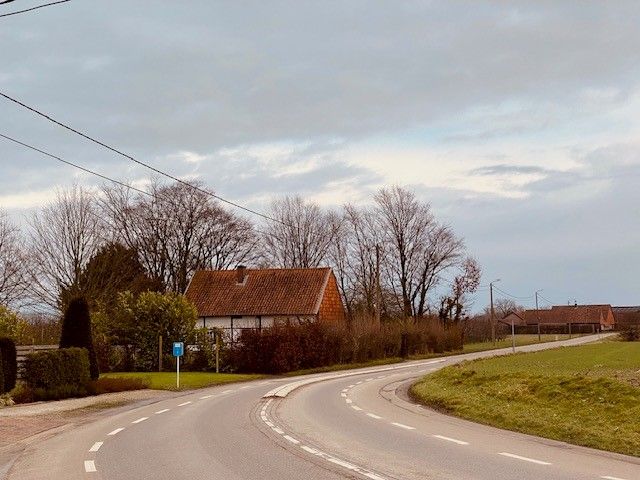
111, 385
284, 348
57, 374
76, 332
9, 360
630, 333
2, 390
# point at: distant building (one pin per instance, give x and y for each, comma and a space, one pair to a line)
599, 317
257, 298
626, 316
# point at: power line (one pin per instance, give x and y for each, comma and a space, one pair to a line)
100, 175
32, 8
84, 169
513, 296
139, 162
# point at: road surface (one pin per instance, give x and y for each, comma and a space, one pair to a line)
356, 424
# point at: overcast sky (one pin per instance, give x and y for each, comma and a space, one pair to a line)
518, 121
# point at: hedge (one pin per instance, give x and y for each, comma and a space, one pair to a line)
1, 377
8, 355
57, 374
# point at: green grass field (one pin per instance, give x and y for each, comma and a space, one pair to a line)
188, 380
587, 395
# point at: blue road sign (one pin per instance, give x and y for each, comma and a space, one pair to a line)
178, 349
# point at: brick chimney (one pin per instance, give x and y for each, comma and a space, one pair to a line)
241, 274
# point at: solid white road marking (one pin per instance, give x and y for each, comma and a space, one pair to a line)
291, 439
183, 404
373, 415
246, 386
140, 420
96, 446
162, 411
344, 390
402, 425
524, 459
312, 451
116, 431
449, 439
342, 463
348, 400
607, 477
350, 386
204, 397
90, 466
279, 431
227, 391
356, 408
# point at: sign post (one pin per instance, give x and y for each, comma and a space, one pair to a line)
178, 351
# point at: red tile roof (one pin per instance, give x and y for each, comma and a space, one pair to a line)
563, 314
265, 292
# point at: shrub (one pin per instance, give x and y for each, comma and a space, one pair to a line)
76, 332
111, 385
8, 356
630, 333
22, 393
57, 374
2, 390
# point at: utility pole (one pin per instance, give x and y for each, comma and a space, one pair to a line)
160, 353
378, 289
538, 316
493, 323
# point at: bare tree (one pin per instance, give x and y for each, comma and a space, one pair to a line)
417, 250
13, 280
64, 236
301, 235
454, 305
177, 230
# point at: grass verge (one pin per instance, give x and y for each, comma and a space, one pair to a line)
188, 380
586, 395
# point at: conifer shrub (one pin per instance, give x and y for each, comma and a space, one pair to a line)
9, 359
76, 332
56, 374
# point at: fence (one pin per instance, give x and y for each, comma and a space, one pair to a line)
23, 350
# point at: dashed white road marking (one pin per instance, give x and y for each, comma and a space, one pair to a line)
524, 459
342, 463
245, 386
348, 400
183, 404
449, 439
310, 450
204, 397
140, 420
356, 408
368, 379
402, 425
292, 440
358, 383
115, 432
96, 446
344, 390
279, 431
343, 395
90, 466
607, 477
373, 415
352, 385
162, 411
227, 391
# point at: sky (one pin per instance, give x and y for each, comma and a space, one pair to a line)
518, 121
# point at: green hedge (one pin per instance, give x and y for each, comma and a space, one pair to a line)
2, 390
8, 355
57, 374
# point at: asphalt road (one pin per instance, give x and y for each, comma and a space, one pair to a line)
355, 424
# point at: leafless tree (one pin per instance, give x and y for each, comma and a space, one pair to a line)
503, 307
13, 280
417, 249
177, 230
64, 235
454, 305
301, 235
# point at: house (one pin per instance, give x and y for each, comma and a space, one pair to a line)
626, 316
256, 298
598, 317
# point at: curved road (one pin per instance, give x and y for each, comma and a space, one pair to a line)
355, 424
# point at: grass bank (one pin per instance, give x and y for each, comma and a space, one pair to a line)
586, 395
188, 380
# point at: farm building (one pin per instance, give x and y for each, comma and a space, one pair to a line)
594, 317
233, 300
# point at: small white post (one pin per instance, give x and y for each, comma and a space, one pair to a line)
178, 372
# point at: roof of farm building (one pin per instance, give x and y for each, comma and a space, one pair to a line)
563, 314
264, 292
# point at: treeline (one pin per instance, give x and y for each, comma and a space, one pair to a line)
389, 257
